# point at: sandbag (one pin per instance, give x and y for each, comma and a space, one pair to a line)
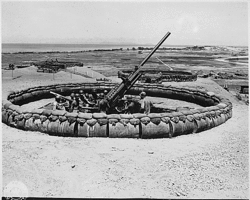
61, 128
210, 123
209, 102
202, 124
37, 111
20, 123
65, 90
122, 130
44, 126
4, 116
69, 129
53, 126
168, 93
86, 116
11, 120
218, 120
97, 116
152, 130
14, 107
8, 114
83, 130
58, 112
189, 127
27, 97
17, 100
161, 91
117, 130
37, 94
6, 104
134, 130
47, 112
29, 124
139, 115
153, 91
201, 100
98, 130
114, 116
126, 116
176, 128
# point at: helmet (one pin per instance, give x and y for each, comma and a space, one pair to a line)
105, 92
81, 91
101, 95
143, 94
58, 98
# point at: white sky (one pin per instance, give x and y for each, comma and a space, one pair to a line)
143, 22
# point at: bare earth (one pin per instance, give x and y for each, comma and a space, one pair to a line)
211, 164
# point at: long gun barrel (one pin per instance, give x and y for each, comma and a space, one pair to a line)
154, 49
117, 92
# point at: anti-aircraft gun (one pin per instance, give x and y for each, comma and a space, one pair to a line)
111, 99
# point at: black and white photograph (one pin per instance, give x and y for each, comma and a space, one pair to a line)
125, 99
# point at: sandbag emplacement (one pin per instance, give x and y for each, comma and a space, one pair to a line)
216, 110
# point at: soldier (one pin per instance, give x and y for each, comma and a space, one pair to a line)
73, 106
69, 105
131, 105
145, 103
86, 99
94, 94
103, 105
58, 104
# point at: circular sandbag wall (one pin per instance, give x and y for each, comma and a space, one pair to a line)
168, 76
216, 111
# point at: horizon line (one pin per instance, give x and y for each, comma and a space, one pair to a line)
117, 44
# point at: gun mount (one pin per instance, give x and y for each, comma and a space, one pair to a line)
118, 92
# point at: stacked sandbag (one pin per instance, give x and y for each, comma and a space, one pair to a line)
123, 126
153, 126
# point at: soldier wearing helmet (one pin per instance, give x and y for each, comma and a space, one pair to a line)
58, 104
145, 103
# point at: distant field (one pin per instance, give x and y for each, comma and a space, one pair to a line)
109, 62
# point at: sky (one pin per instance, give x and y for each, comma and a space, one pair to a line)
133, 22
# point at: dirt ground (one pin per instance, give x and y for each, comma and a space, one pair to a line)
210, 164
